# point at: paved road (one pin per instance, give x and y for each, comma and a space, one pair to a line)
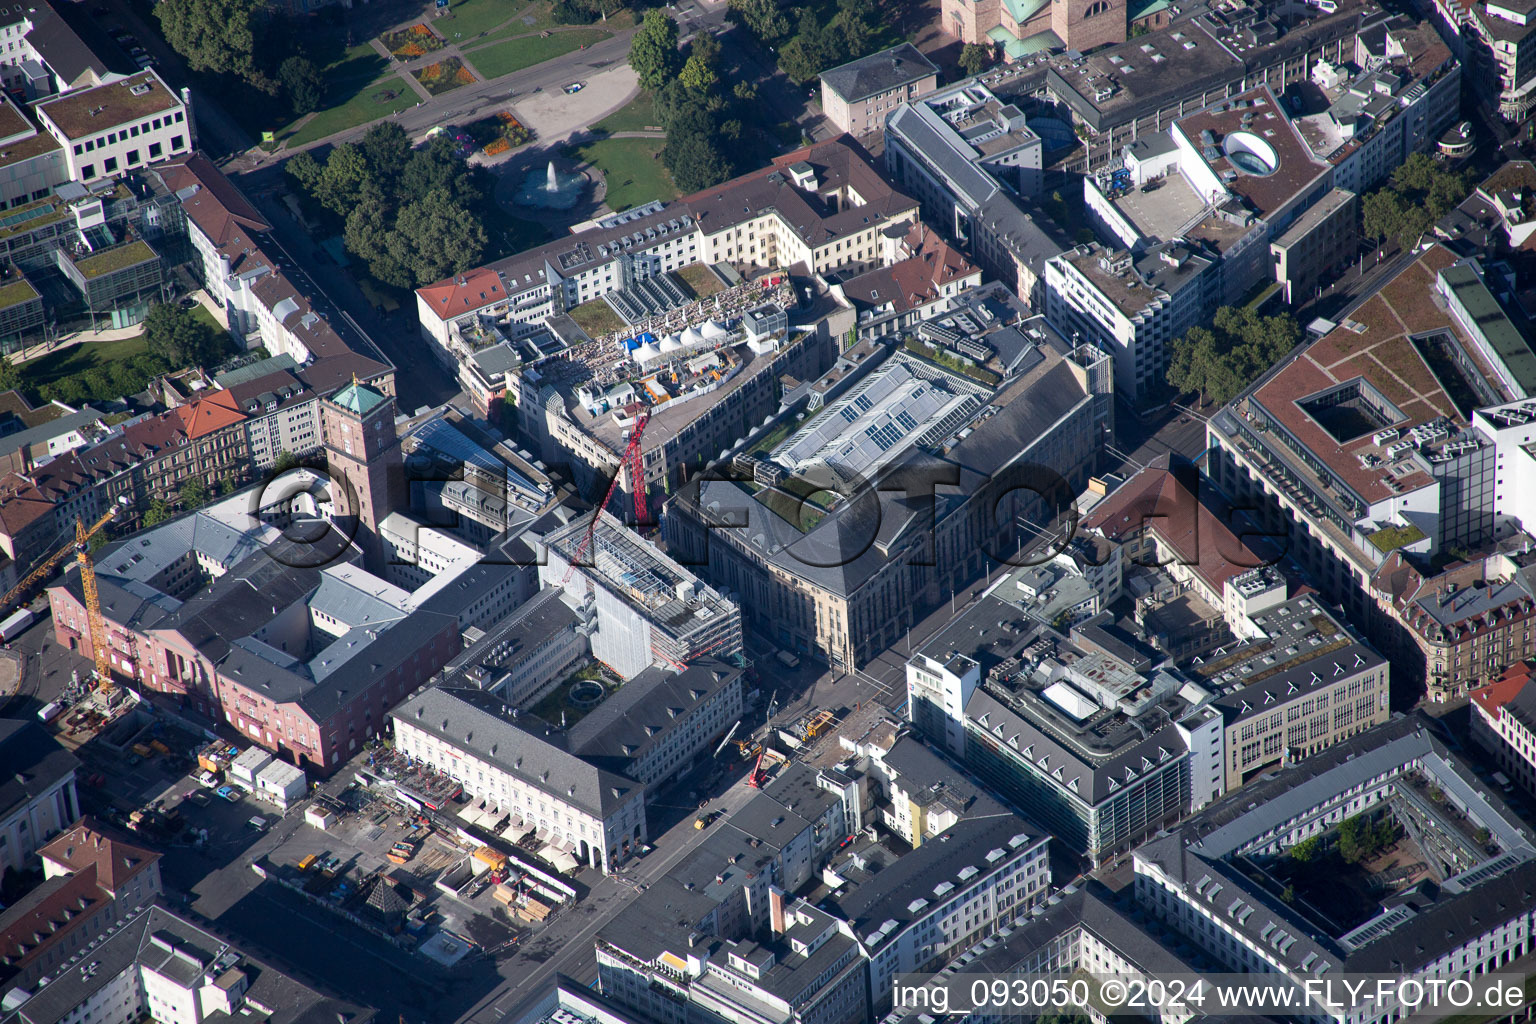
566, 946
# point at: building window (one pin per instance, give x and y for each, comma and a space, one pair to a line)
109, 165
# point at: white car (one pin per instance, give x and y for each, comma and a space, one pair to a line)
575, 87
208, 780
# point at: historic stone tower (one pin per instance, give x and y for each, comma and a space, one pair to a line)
362, 453
1085, 24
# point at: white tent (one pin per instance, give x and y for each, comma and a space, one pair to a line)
693, 337
713, 330
671, 343
646, 353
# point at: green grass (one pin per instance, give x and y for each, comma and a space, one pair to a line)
509, 234
637, 117
471, 17
515, 54
368, 103
79, 358
633, 169
1390, 538
200, 312
700, 280
597, 318
535, 17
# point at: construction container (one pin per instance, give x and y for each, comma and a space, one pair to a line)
490, 859
308, 861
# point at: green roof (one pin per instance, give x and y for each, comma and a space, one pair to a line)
117, 258
16, 292
1390, 538
1489, 319
358, 398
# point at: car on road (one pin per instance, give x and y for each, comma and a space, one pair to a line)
229, 793
575, 87
257, 822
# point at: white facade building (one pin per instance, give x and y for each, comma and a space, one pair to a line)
119, 126
37, 797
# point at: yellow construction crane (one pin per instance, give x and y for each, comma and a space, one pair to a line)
80, 547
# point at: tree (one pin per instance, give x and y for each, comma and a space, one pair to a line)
214, 35
653, 51
691, 153
765, 19
10, 375
285, 461
306, 171
344, 179
434, 237
302, 84
194, 493
974, 57
387, 149
1306, 851
698, 75
437, 165
177, 338
1219, 361
157, 513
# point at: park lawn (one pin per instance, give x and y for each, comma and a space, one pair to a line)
79, 358
373, 101
471, 17
637, 117
536, 17
633, 169
201, 312
515, 54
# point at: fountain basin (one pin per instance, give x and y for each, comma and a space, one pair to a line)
550, 188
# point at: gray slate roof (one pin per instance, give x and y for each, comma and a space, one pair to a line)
33, 762
878, 73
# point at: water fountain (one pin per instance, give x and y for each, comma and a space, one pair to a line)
551, 189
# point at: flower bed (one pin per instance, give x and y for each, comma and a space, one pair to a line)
498, 134
444, 75
407, 43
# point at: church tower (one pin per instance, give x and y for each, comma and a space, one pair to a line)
362, 453
1085, 24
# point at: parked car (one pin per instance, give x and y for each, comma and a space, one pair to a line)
257, 822
575, 87
198, 798
229, 793
208, 780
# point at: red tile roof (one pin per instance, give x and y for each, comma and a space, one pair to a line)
1504, 689
1197, 528
462, 293
208, 415
88, 845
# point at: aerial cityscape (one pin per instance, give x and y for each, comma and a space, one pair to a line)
767, 511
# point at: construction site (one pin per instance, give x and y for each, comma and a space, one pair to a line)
643, 608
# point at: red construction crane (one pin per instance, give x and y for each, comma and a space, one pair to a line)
758, 776
630, 460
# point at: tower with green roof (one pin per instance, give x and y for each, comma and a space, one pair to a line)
362, 453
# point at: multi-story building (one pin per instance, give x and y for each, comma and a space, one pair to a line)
1497, 42
1320, 243
969, 156
1027, 27
37, 798
924, 283
33, 164
584, 785
646, 609
43, 55
844, 581
1137, 88
1205, 882
157, 963
524, 655
1504, 723
824, 208
720, 938
1131, 305
858, 96
261, 304
119, 126
1328, 451
91, 879
308, 672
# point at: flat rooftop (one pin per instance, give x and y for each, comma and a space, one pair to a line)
1250, 143
1132, 282
1163, 213
1372, 346
88, 112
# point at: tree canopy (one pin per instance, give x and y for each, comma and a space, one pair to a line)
302, 83
178, 338
653, 51
825, 33
1419, 193
409, 214
974, 57
1220, 360
214, 35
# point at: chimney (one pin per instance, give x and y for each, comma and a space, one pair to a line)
776, 910
186, 101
